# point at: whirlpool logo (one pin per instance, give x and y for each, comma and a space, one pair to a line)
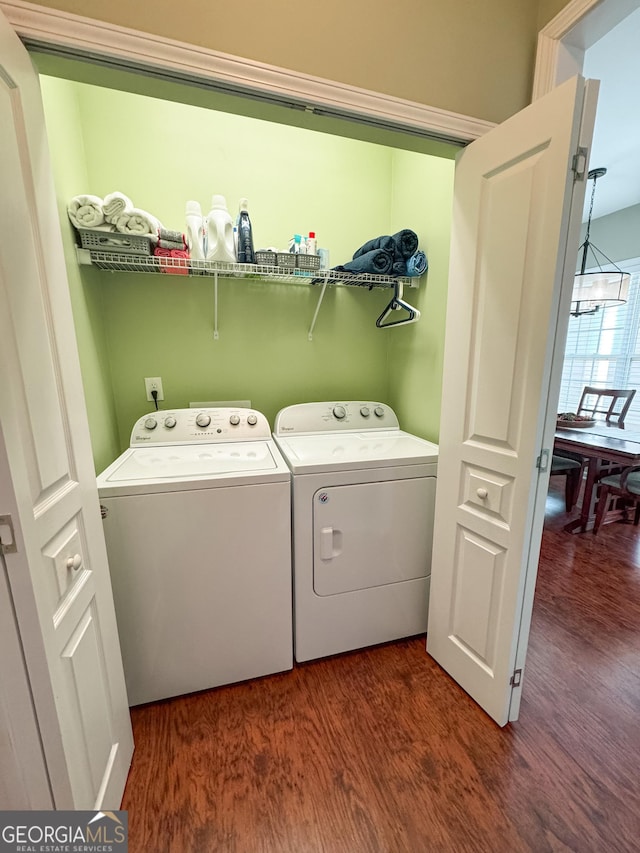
64, 832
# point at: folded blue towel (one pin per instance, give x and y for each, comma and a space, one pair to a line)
377, 261
386, 243
402, 245
406, 243
417, 264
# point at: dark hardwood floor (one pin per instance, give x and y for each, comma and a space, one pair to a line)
381, 751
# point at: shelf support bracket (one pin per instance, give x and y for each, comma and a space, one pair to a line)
317, 311
216, 336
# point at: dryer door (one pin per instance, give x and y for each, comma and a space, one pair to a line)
372, 534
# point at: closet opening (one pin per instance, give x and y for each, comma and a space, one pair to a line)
164, 142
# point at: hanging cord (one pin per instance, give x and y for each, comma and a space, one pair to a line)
588, 232
154, 394
593, 175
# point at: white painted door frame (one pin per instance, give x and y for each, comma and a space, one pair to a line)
563, 41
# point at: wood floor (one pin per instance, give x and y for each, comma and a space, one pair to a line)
381, 751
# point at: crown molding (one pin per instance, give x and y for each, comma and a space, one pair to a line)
81, 36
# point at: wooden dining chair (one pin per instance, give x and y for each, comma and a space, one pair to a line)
570, 466
613, 403
625, 485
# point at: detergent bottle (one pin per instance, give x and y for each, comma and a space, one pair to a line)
195, 230
220, 232
245, 235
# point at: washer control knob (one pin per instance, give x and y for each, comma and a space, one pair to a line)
150, 423
252, 420
378, 412
339, 412
203, 419
365, 411
234, 420
170, 422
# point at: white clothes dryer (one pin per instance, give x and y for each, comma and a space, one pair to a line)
363, 504
197, 523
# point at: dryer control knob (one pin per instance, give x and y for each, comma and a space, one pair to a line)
378, 412
203, 420
365, 411
339, 412
234, 420
150, 423
252, 420
170, 422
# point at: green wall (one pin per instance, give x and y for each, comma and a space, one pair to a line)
422, 195
163, 153
64, 131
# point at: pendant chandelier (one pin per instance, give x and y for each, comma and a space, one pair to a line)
604, 288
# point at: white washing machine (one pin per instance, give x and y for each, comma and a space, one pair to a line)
363, 503
198, 531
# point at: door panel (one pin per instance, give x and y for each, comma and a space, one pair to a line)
89, 705
475, 610
516, 219
59, 577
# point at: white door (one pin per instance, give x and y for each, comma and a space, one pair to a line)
58, 579
517, 212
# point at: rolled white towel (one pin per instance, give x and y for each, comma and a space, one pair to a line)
138, 221
85, 211
115, 204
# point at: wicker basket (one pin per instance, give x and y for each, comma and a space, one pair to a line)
287, 260
113, 241
307, 262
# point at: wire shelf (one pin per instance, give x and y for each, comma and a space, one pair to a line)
191, 267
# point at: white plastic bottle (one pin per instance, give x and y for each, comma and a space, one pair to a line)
311, 243
220, 232
195, 230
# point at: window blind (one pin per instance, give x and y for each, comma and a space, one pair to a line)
603, 349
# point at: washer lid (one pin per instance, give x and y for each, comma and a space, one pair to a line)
349, 451
143, 469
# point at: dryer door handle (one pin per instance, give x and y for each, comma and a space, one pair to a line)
326, 543
330, 543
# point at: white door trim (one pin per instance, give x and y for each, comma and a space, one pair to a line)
86, 36
563, 41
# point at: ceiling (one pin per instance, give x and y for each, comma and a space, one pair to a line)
615, 61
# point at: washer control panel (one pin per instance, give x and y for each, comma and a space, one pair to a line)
194, 426
335, 417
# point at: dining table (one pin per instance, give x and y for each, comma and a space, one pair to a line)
603, 447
